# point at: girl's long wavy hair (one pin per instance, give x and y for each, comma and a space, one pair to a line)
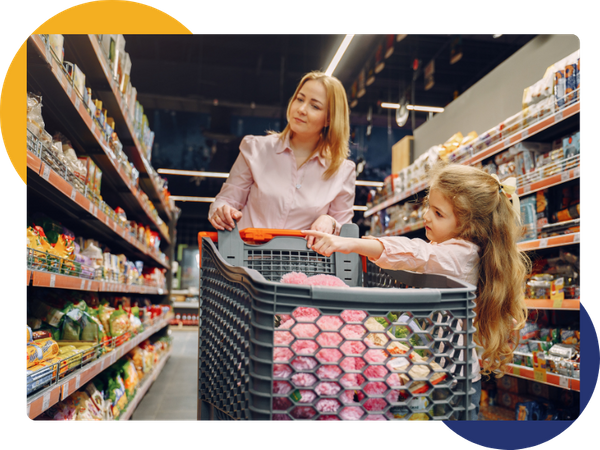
485, 217
333, 144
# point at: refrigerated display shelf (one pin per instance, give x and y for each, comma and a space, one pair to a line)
44, 399
48, 76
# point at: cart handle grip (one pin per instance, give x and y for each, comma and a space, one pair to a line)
254, 235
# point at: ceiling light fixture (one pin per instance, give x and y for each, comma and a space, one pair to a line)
193, 173
338, 56
413, 107
196, 173
183, 198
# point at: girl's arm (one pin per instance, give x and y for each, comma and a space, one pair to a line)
327, 244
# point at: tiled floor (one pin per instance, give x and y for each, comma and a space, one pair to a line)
173, 394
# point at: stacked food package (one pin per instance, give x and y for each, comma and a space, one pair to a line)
107, 396
550, 343
53, 247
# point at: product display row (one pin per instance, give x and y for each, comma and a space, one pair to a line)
540, 147
110, 395
57, 152
53, 248
51, 377
99, 231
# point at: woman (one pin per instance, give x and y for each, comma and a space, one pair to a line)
299, 178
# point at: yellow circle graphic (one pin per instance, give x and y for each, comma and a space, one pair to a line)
83, 17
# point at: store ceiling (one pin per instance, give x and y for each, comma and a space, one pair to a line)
257, 74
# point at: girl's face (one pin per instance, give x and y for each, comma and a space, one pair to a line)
440, 221
308, 113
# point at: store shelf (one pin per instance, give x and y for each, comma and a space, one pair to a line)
555, 241
63, 104
557, 117
44, 399
190, 305
68, 199
86, 52
563, 305
396, 199
504, 144
542, 376
143, 388
59, 281
563, 177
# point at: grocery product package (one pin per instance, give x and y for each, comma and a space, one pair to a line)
119, 322
41, 350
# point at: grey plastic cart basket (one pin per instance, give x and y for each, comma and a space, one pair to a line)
243, 375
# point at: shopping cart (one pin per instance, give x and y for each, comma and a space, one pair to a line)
389, 346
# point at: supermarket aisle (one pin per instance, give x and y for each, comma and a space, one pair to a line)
173, 394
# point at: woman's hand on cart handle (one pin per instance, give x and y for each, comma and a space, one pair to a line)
224, 217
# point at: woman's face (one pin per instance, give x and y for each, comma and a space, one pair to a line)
308, 113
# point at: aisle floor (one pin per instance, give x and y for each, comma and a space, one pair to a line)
173, 394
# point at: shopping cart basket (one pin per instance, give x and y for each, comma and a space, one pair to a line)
389, 346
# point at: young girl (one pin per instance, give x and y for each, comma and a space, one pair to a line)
473, 227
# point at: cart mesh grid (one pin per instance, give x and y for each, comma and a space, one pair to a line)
392, 349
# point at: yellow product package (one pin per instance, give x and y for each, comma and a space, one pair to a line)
34, 354
49, 348
26, 334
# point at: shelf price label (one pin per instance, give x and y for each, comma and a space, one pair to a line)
576, 237
46, 401
576, 172
526, 189
46, 172
73, 194
540, 375
77, 102
65, 391
563, 382
516, 371
77, 381
49, 55
564, 176
82, 285
543, 243
52, 280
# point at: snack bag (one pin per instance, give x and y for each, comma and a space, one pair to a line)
119, 322
117, 394
27, 334
130, 378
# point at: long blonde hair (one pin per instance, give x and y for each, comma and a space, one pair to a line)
485, 217
333, 144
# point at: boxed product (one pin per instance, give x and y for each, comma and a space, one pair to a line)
528, 217
566, 79
90, 166
540, 90
79, 80
56, 42
542, 208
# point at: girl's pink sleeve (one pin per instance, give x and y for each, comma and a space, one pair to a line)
235, 190
454, 257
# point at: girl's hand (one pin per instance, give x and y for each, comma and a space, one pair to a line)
324, 224
328, 243
224, 217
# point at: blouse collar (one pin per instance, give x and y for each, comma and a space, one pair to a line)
285, 145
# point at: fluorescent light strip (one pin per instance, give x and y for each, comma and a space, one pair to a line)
338, 56
413, 107
195, 173
182, 198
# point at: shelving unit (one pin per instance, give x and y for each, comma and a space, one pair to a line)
54, 190
44, 399
562, 171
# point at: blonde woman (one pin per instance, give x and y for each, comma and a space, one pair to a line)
472, 223
300, 178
